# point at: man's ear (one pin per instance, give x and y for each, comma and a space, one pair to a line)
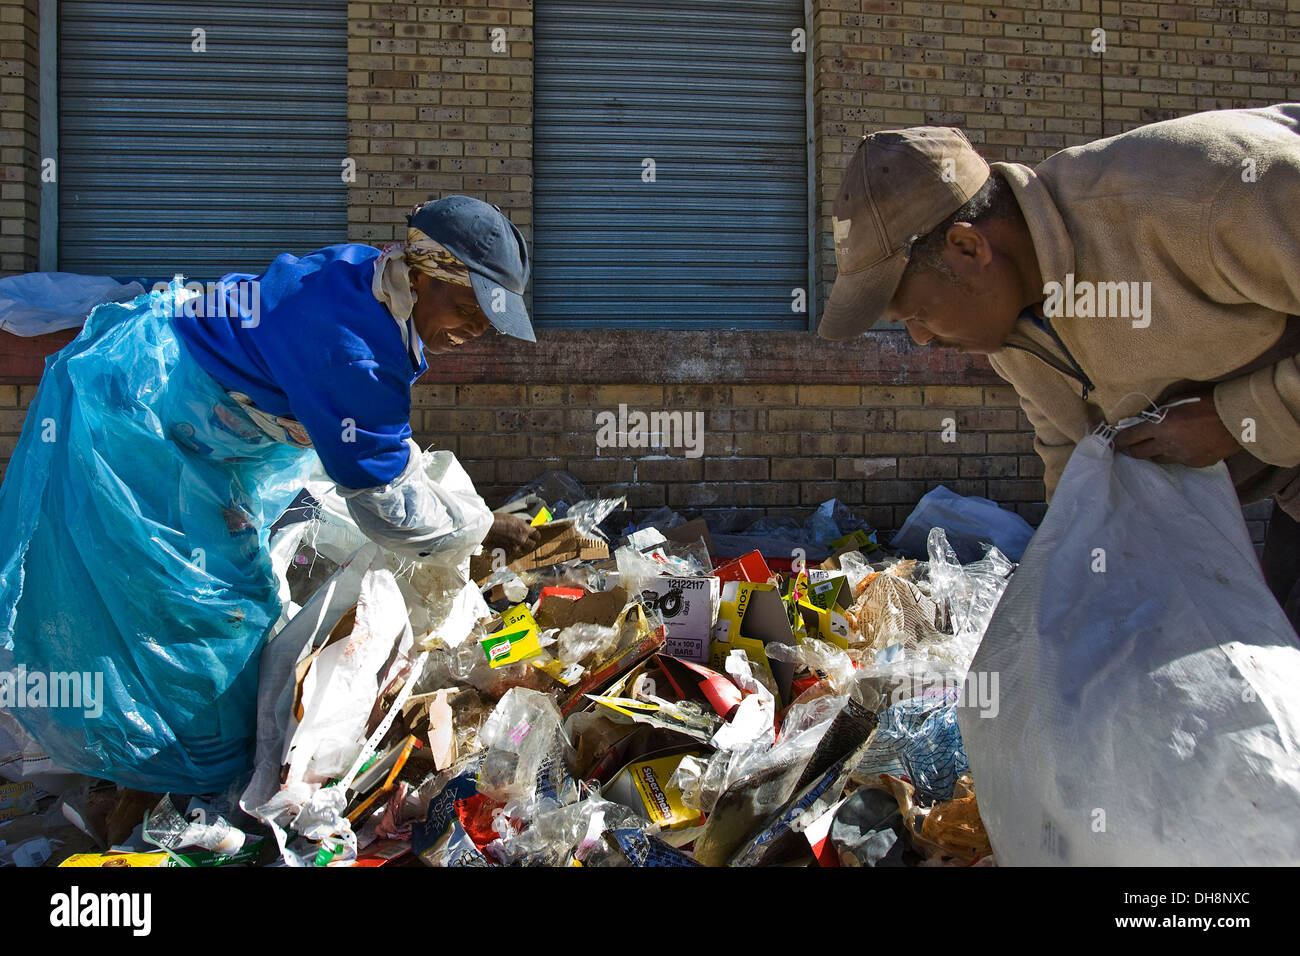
968, 245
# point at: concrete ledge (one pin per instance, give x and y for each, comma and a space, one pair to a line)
712, 357
645, 357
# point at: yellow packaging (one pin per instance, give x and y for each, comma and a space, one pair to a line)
643, 783
133, 860
516, 641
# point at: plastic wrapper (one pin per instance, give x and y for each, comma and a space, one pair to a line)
165, 828
831, 520
892, 610
641, 849
968, 594
662, 519
559, 489
869, 830
573, 831
755, 718
467, 664
688, 779
955, 827
588, 516
971, 522
819, 658
765, 782
918, 739
32, 852
587, 643
309, 825
648, 556
526, 746
855, 567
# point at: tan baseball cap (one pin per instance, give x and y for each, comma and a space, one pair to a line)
898, 186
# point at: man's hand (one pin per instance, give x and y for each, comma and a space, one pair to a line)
512, 534
1190, 434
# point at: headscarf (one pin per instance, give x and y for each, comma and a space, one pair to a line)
392, 282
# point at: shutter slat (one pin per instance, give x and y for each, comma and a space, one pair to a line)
172, 160
709, 89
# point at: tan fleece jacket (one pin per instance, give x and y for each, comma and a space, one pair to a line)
1204, 208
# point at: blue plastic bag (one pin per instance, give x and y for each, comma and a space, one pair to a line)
918, 738
136, 511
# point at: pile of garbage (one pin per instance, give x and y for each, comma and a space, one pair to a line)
622, 694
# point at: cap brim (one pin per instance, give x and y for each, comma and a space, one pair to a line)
504, 309
858, 299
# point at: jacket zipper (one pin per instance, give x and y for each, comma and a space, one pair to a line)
1075, 371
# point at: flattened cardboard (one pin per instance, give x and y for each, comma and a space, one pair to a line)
559, 542
598, 607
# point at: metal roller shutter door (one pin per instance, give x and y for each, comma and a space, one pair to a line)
172, 160
712, 91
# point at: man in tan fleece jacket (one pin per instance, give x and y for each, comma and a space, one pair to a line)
1157, 265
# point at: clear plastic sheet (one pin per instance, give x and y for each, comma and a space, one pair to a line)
587, 516
522, 734
586, 643
970, 593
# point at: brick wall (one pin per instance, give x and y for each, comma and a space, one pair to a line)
779, 449
1022, 77
435, 110
19, 136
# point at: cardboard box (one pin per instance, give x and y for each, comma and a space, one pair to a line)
750, 617
517, 640
17, 799
822, 610
643, 786
750, 567
690, 533
689, 608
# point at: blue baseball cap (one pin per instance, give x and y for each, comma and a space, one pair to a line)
480, 235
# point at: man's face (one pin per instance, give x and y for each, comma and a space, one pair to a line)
973, 309
446, 315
